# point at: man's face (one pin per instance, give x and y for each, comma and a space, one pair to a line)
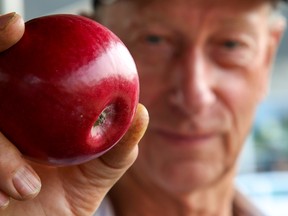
203, 67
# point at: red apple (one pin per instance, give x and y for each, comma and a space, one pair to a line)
68, 90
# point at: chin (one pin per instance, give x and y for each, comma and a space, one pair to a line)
186, 178
179, 169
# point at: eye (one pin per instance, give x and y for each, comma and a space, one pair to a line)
231, 44
153, 39
232, 51
153, 48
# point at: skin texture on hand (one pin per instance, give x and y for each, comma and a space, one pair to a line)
27, 188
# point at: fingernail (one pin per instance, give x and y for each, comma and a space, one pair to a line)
26, 182
5, 19
4, 200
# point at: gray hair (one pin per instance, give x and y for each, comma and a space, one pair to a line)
97, 3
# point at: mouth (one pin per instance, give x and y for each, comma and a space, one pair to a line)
193, 138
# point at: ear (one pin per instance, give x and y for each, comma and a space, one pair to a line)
91, 15
276, 31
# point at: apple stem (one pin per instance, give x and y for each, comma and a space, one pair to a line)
101, 119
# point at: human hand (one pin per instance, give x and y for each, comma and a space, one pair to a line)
74, 190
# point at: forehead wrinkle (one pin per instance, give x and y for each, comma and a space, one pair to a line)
176, 15
144, 15
196, 11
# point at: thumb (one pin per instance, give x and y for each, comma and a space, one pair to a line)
112, 165
11, 30
123, 153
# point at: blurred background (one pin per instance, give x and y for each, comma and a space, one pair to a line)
263, 165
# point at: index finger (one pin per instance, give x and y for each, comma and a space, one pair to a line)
11, 30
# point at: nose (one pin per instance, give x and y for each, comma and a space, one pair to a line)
193, 82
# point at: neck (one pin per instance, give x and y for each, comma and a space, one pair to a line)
130, 196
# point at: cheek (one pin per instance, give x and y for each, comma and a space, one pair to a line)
240, 95
243, 90
152, 86
148, 91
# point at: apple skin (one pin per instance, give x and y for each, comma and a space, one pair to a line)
68, 90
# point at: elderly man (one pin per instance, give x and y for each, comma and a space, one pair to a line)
204, 66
